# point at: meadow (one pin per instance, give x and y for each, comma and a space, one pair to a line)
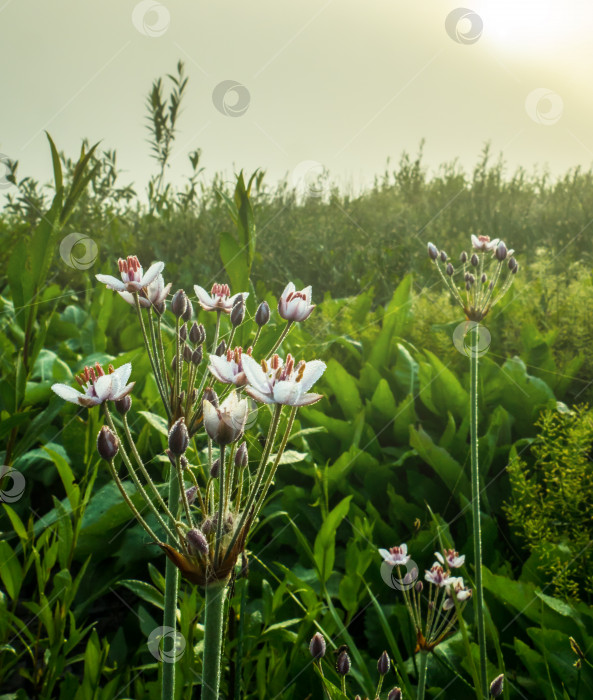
383, 458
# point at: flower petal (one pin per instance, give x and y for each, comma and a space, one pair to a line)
111, 282
203, 297
258, 395
152, 273
308, 399
313, 370
287, 392
221, 368
255, 374
67, 392
123, 373
127, 296
103, 387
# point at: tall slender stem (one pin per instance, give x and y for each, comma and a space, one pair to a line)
479, 592
221, 504
171, 590
213, 627
422, 675
283, 335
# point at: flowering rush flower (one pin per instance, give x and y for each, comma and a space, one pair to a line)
134, 280
228, 368
219, 299
225, 424
484, 243
455, 587
437, 575
278, 383
453, 559
396, 556
293, 305
98, 386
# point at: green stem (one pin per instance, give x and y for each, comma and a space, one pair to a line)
477, 534
221, 504
283, 335
213, 626
422, 675
171, 590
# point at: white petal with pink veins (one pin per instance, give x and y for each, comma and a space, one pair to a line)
203, 297
221, 368
308, 399
103, 387
287, 393
255, 374
67, 392
152, 273
313, 370
258, 395
111, 282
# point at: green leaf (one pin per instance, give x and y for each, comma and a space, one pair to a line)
325, 542
10, 571
156, 421
145, 591
395, 317
383, 401
67, 477
344, 387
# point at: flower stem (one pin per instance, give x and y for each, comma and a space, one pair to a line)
477, 534
422, 675
221, 505
283, 335
171, 590
213, 627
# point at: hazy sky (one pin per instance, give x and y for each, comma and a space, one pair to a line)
342, 83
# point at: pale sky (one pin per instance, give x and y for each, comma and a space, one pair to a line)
341, 83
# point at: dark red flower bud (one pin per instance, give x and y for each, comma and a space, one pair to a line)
107, 443
262, 315
317, 646
178, 437
179, 303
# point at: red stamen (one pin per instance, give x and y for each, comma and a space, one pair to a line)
100, 370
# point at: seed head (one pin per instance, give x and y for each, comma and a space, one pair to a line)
107, 443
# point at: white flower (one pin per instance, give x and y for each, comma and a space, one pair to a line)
98, 386
154, 295
226, 423
288, 384
454, 559
437, 575
484, 243
396, 556
133, 279
228, 369
455, 587
219, 299
293, 305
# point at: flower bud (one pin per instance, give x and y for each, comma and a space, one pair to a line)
468, 286
187, 315
433, 252
211, 395
221, 349
241, 456
450, 269
474, 260
207, 526
383, 664
190, 494
183, 462
419, 587
178, 437
179, 303
123, 405
395, 694
187, 353
515, 269
317, 646
215, 469
195, 334
343, 663
443, 256
107, 443
512, 263
483, 278
262, 315
238, 312
196, 356
496, 686
196, 542
159, 307
463, 257
174, 362
501, 252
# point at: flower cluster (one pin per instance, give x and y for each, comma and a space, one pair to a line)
483, 277
207, 522
447, 594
